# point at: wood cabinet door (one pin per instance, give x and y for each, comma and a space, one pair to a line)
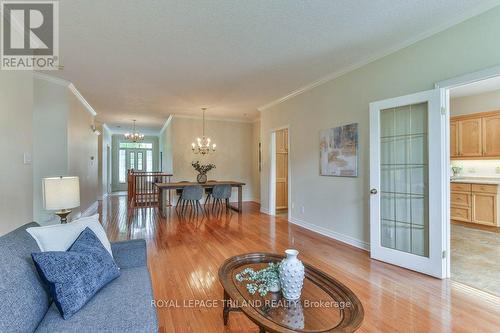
282, 169
491, 136
470, 138
484, 208
454, 139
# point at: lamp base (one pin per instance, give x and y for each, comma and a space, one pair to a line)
63, 214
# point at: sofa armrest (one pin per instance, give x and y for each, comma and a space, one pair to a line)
131, 253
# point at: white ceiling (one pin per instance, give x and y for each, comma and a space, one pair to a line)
145, 60
476, 88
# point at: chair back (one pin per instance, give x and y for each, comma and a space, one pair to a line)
192, 192
222, 191
208, 190
179, 190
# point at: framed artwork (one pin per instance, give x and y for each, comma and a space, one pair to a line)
338, 151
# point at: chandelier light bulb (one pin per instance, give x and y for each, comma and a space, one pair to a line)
134, 136
204, 144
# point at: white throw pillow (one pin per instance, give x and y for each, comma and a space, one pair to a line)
59, 237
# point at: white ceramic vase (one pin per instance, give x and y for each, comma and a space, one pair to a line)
291, 275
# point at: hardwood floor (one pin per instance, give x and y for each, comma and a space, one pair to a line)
184, 257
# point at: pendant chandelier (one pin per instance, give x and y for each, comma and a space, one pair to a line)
203, 145
134, 136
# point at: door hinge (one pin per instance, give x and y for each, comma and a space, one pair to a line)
444, 254
443, 111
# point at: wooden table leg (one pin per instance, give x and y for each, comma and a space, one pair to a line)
240, 199
225, 311
160, 200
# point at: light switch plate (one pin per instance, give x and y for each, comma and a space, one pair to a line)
27, 158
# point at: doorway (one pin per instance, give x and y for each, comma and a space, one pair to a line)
108, 169
474, 165
279, 193
448, 199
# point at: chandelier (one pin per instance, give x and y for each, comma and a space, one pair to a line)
203, 145
134, 136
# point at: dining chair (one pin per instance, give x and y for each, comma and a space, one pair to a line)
179, 194
208, 192
191, 195
221, 195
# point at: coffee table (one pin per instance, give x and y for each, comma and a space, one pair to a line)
326, 305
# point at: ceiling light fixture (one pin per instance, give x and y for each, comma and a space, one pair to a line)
203, 145
134, 136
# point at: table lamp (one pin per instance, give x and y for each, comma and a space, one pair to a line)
61, 194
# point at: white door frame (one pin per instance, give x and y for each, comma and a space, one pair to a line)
272, 172
432, 264
445, 87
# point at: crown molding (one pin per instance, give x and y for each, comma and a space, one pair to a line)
51, 79
388, 51
234, 120
82, 100
167, 122
105, 126
66, 84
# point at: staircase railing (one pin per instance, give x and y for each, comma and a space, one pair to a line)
141, 189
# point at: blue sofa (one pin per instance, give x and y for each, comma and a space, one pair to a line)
124, 305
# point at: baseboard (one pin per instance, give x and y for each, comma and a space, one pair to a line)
264, 210
331, 234
91, 210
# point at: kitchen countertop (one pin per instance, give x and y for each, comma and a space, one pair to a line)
477, 180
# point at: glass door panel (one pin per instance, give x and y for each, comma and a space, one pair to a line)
408, 182
404, 154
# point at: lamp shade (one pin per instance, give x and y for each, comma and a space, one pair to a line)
61, 193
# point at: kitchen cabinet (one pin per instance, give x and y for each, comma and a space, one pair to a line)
475, 136
475, 203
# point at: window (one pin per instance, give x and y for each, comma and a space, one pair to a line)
132, 160
149, 161
139, 161
136, 145
122, 168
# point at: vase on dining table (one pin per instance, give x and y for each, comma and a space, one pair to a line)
201, 178
291, 273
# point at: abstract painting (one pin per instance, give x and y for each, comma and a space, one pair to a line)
339, 151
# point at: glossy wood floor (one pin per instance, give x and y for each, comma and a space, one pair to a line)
185, 254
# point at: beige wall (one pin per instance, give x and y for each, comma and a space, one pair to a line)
82, 153
63, 145
233, 158
489, 101
16, 126
255, 160
166, 147
104, 168
338, 206
50, 140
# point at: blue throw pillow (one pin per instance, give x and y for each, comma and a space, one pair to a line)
76, 275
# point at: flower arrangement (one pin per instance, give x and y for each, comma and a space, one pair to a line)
202, 169
261, 281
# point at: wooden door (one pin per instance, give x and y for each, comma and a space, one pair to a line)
469, 137
282, 169
491, 135
484, 208
454, 139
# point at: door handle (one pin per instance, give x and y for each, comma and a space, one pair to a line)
373, 191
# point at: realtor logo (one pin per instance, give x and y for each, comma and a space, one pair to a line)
30, 35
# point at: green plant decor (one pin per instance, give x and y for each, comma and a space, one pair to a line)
202, 169
261, 280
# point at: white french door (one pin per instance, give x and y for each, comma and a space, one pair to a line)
407, 182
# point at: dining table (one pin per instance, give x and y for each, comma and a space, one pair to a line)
163, 187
